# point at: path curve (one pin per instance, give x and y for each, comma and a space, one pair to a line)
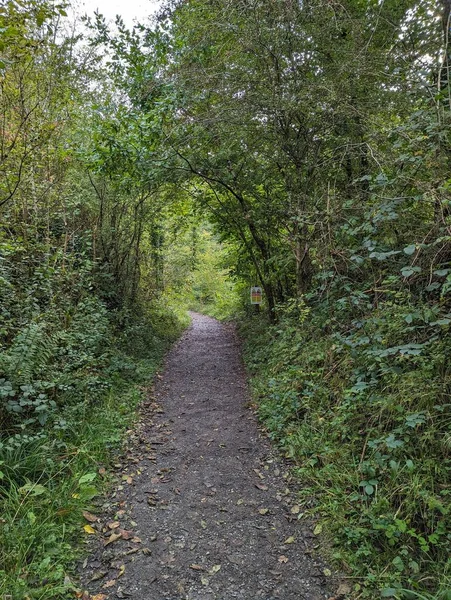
204, 502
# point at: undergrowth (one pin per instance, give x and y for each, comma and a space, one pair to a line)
362, 409
68, 397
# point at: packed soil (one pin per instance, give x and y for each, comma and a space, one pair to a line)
202, 508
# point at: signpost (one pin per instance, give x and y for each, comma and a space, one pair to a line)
256, 295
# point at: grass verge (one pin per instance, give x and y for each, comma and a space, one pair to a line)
49, 475
366, 425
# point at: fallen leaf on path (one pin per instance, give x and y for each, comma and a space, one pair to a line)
89, 529
136, 540
261, 486
283, 559
126, 535
296, 509
239, 502
203, 524
263, 511
121, 571
197, 567
214, 569
327, 572
259, 474
318, 529
113, 538
99, 597
113, 524
204, 581
110, 583
99, 575
147, 551
90, 517
289, 540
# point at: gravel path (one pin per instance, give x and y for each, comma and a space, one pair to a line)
203, 509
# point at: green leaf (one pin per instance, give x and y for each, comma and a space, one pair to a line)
388, 593
410, 249
444, 321
33, 489
40, 17
87, 478
398, 563
408, 271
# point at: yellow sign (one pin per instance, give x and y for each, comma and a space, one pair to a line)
256, 295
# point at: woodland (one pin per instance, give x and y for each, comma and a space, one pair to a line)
300, 145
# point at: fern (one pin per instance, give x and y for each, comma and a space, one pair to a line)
29, 352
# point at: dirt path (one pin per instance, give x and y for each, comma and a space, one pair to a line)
203, 507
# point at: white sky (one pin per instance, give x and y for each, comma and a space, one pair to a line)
130, 10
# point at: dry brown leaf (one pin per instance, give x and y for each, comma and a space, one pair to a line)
259, 474
99, 575
296, 509
110, 583
99, 597
197, 567
113, 524
261, 486
283, 559
90, 517
113, 538
263, 511
126, 535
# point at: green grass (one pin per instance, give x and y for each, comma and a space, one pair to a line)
49, 476
368, 435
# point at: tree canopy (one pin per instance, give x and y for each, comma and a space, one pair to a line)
303, 146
